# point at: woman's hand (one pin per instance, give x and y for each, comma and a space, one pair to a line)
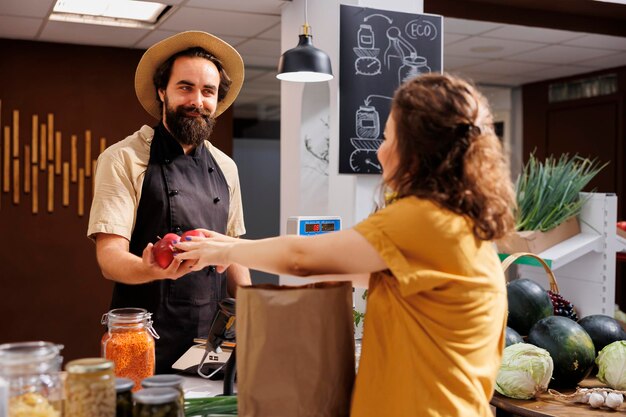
201, 252
176, 269
217, 237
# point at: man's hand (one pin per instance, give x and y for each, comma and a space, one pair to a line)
118, 264
176, 269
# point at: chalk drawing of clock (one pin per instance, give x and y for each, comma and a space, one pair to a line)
364, 161
367, 66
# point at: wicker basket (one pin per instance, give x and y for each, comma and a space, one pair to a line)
554, 287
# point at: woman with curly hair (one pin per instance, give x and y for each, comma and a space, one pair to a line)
436, 306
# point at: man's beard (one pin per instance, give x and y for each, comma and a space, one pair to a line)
186, 129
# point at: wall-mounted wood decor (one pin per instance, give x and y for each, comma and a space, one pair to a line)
43, 149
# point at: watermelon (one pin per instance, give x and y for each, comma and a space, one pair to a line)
603, 330
512, 337
528, 303
570, 347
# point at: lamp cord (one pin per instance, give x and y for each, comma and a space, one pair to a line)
306, 18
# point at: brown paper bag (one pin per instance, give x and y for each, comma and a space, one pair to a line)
295, 350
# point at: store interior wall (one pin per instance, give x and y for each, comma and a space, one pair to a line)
52, 288
258, 162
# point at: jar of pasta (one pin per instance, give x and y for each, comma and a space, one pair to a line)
129, 343
157, 402
90, 388
30, 379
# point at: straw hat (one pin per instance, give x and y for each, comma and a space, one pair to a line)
161, 51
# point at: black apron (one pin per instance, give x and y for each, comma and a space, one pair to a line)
179, 193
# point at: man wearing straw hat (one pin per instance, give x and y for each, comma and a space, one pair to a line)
170, 179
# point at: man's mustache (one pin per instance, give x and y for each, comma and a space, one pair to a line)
185, 111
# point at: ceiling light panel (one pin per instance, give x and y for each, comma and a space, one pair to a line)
142, 11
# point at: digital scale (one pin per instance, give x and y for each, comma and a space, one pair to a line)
312, 225
191, 359
309, 226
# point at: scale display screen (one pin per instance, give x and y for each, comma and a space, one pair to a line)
319, 227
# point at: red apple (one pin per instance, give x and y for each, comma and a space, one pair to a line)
163, 250
622, 225
191, 233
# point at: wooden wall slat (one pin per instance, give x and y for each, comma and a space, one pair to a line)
27, 166
16, 181
94, 164
35, 139
50, 136
81, 192
16, 133
103, 144
66, 184
50, 188
88, 153
74, 158
6, 185
35, 190
43, 141
57, 152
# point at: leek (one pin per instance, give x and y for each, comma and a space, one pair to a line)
211, 406
548, 193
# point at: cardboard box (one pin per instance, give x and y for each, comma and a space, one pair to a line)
536, 241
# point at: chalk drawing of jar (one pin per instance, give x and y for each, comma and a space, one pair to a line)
365, 37
367, 123
412, 66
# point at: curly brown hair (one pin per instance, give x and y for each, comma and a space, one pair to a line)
448, 153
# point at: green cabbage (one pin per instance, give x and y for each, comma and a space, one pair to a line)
611, 363
525, 370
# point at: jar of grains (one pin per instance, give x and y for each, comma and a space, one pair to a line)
30, 379
157, 402
124, 401
90, 388
129, 343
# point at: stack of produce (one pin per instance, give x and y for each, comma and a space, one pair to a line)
571, 346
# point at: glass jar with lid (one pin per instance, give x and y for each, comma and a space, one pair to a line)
166, 381
30, 379
129, 343
124, 397
90, 388
157, 402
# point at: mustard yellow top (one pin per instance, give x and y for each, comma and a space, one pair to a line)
434, 325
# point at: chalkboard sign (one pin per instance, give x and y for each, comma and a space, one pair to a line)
379, 50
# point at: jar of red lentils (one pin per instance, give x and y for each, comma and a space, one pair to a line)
129, 343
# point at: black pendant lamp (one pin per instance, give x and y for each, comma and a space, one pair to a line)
304, 63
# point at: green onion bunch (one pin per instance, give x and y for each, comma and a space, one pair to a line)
211, 406
548, 193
